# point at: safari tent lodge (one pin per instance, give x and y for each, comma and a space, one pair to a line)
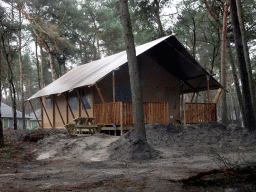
100, 90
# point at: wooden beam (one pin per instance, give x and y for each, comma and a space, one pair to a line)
199, 76
40, 98
185, 120
79, 103
175, 76
217, 96
121, 118
185, 56
53, 113
98, 90
55, 101
66, 96
42, 117
92, 100
102, 100
208, 88
113, 86
192, 62
182, 96
34, 113
192, 97
80, 100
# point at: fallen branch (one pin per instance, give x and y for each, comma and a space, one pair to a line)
217, 177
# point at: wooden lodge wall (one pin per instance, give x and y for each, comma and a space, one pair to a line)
65, 111
157, 86
121, 113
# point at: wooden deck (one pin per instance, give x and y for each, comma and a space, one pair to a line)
121, 113
200, 112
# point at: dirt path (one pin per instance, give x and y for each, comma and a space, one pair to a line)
82, 164
154, 175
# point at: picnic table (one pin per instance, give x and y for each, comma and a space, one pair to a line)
83, 123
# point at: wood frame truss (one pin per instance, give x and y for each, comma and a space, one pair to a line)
34, 113
42, 105
55, 102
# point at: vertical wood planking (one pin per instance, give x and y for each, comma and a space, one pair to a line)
122, 113
200, 112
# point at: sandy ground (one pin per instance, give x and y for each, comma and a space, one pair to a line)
82, 163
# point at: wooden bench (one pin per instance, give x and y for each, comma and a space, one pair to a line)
83, 123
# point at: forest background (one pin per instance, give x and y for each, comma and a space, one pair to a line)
40, 40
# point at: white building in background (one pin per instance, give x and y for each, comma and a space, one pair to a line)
7, 117
33, 121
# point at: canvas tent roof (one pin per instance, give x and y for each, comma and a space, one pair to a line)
166, 51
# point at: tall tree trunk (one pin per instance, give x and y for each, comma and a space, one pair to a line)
1, 124
11, 85
41, 65
46, 46
249, 112
96, 32
246, 53
158, 21
81, 52
52, 66
85, 54
232, 99
14, 105
212, 13
11, 77
224, 111
37, 67
236, 81
21, 75
133, 71
194, 38
29, 92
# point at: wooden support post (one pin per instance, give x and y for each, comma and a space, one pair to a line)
197, 113
167, 113
80, 99
40, 98
66, 96
217, 96
208, 87
42, 117
185, 121
79, 103
192, 97
98, 90
34, 113
58, 110
103, 101
53, 113
121, 118
182, 96
113, 86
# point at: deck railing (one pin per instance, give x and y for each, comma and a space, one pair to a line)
121, 113
200, 112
